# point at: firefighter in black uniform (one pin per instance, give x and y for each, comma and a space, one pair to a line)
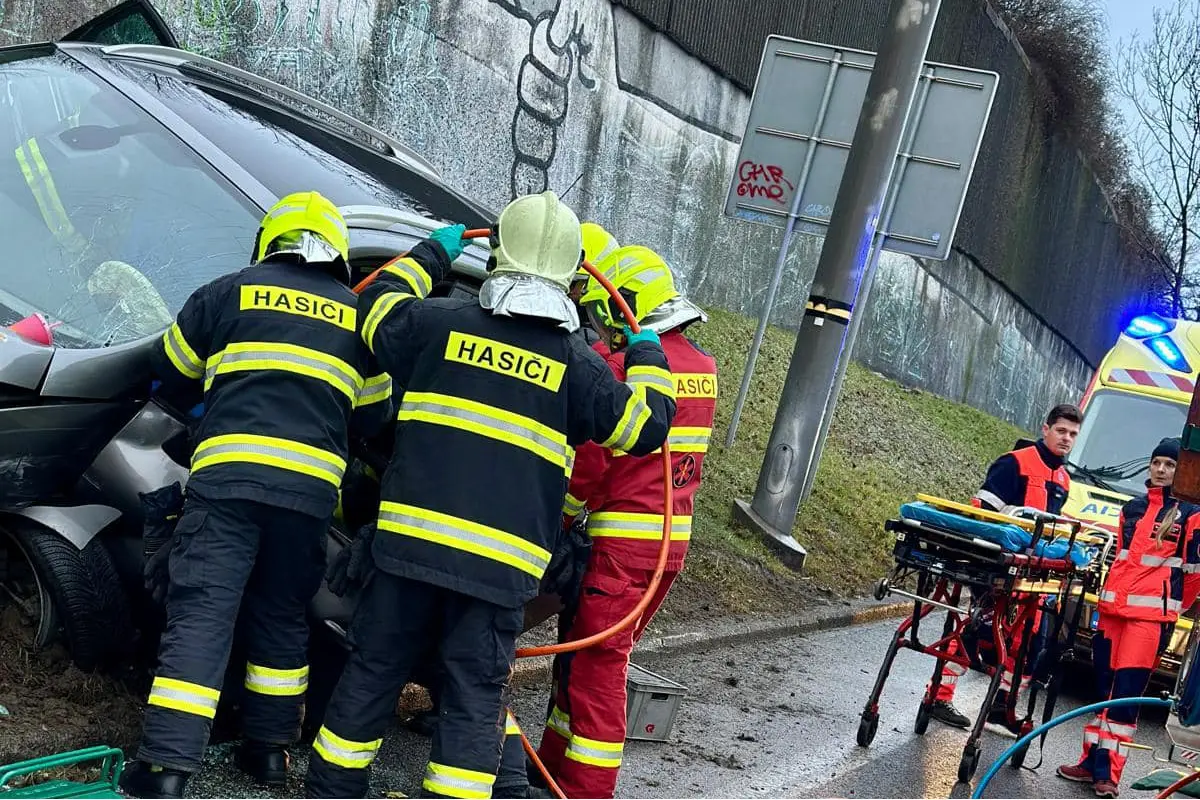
284, 376
497, 394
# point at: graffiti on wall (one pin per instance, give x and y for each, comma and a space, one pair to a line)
558, 48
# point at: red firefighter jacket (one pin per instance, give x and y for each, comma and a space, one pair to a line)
1152, 580
624, 494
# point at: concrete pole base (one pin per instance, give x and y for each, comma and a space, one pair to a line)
781, 543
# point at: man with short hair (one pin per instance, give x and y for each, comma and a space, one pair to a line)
1031, 476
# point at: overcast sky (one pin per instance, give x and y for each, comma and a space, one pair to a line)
1126, 17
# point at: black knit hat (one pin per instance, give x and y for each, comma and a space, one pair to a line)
1167, 448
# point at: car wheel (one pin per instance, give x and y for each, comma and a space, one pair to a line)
24, 597
88, 608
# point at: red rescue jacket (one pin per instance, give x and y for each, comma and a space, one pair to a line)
624, 494
1150, 580
1023, 478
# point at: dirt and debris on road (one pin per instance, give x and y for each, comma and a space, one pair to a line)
52, 706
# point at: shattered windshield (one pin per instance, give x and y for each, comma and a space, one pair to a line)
1119, 431
113, 219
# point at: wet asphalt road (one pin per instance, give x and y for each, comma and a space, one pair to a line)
778, 719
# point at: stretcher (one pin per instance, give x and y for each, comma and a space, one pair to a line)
991, 573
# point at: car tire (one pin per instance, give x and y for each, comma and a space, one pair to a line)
86, 596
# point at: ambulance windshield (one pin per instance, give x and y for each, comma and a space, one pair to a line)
1120, 430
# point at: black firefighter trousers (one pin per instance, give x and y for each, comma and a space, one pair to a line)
398, 622
230, 555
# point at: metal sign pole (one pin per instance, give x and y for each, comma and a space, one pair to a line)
911, 129
781, 261
822, 335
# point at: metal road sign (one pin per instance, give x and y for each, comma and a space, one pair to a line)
805, 107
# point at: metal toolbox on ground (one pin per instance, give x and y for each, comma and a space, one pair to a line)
652, 705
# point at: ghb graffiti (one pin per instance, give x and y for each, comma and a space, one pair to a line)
558, 46
763, 180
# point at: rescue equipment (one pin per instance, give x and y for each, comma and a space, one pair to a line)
1012, 564
668, 489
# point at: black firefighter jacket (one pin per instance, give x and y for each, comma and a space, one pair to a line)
284, 375
491, 412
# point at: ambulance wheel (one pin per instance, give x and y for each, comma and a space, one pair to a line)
968, 764
867, 728
1018, 758
922, 723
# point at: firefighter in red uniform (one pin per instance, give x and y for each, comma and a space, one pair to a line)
1028, 477
1156, 574
585, 735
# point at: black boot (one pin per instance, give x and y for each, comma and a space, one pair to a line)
140, 779
267, 764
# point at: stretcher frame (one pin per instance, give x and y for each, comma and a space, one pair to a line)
1014, 586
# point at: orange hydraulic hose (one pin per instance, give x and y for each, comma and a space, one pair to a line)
1186, 780
664, 549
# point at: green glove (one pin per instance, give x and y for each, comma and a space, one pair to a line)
644, 335
451, 239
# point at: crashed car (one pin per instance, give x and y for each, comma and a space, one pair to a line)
131, 173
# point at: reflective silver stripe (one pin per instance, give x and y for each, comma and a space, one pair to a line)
181, 353
1161, 561
1108, 596
279, 211
635, 416
1120, 729
620, 525
652, 378
189, 698
414, 275
1191, 568
573, 506
276, 682
464, 535
343, 752
992, 500
559, 722
375, 390
270, 452
1152, 601
341, 376
484, 420
457, 782
595, 753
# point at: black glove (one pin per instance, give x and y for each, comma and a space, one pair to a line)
160, 511
353, 566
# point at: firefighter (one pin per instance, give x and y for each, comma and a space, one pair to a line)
597, 244
498, 392
585, 734
273, 352
1155, 575
1034, 476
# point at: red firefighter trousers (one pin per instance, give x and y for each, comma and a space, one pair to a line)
585, 736
1124, 654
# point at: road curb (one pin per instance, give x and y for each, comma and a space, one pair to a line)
534, 670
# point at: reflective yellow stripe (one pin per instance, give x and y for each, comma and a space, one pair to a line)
627, 525
685, 439
190, 698
269, 451
511, 728
412, 273
276, 682
256, 356
379, 311
45, 193
375, 390
181, 354
484, 420
461, 534
343, 752
559, 722
457, 782
595, 752
573, 506
655, 378
629, 427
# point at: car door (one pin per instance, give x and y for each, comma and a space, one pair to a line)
130, 22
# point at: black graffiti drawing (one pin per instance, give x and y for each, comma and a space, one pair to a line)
558, 47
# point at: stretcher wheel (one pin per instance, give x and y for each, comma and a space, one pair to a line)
968, 764
867, 728
922, 723
881, 588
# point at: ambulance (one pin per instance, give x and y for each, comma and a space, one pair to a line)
1139, 396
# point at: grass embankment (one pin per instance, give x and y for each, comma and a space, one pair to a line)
887, 443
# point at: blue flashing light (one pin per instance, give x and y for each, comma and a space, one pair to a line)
1168, 353
1148, 325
